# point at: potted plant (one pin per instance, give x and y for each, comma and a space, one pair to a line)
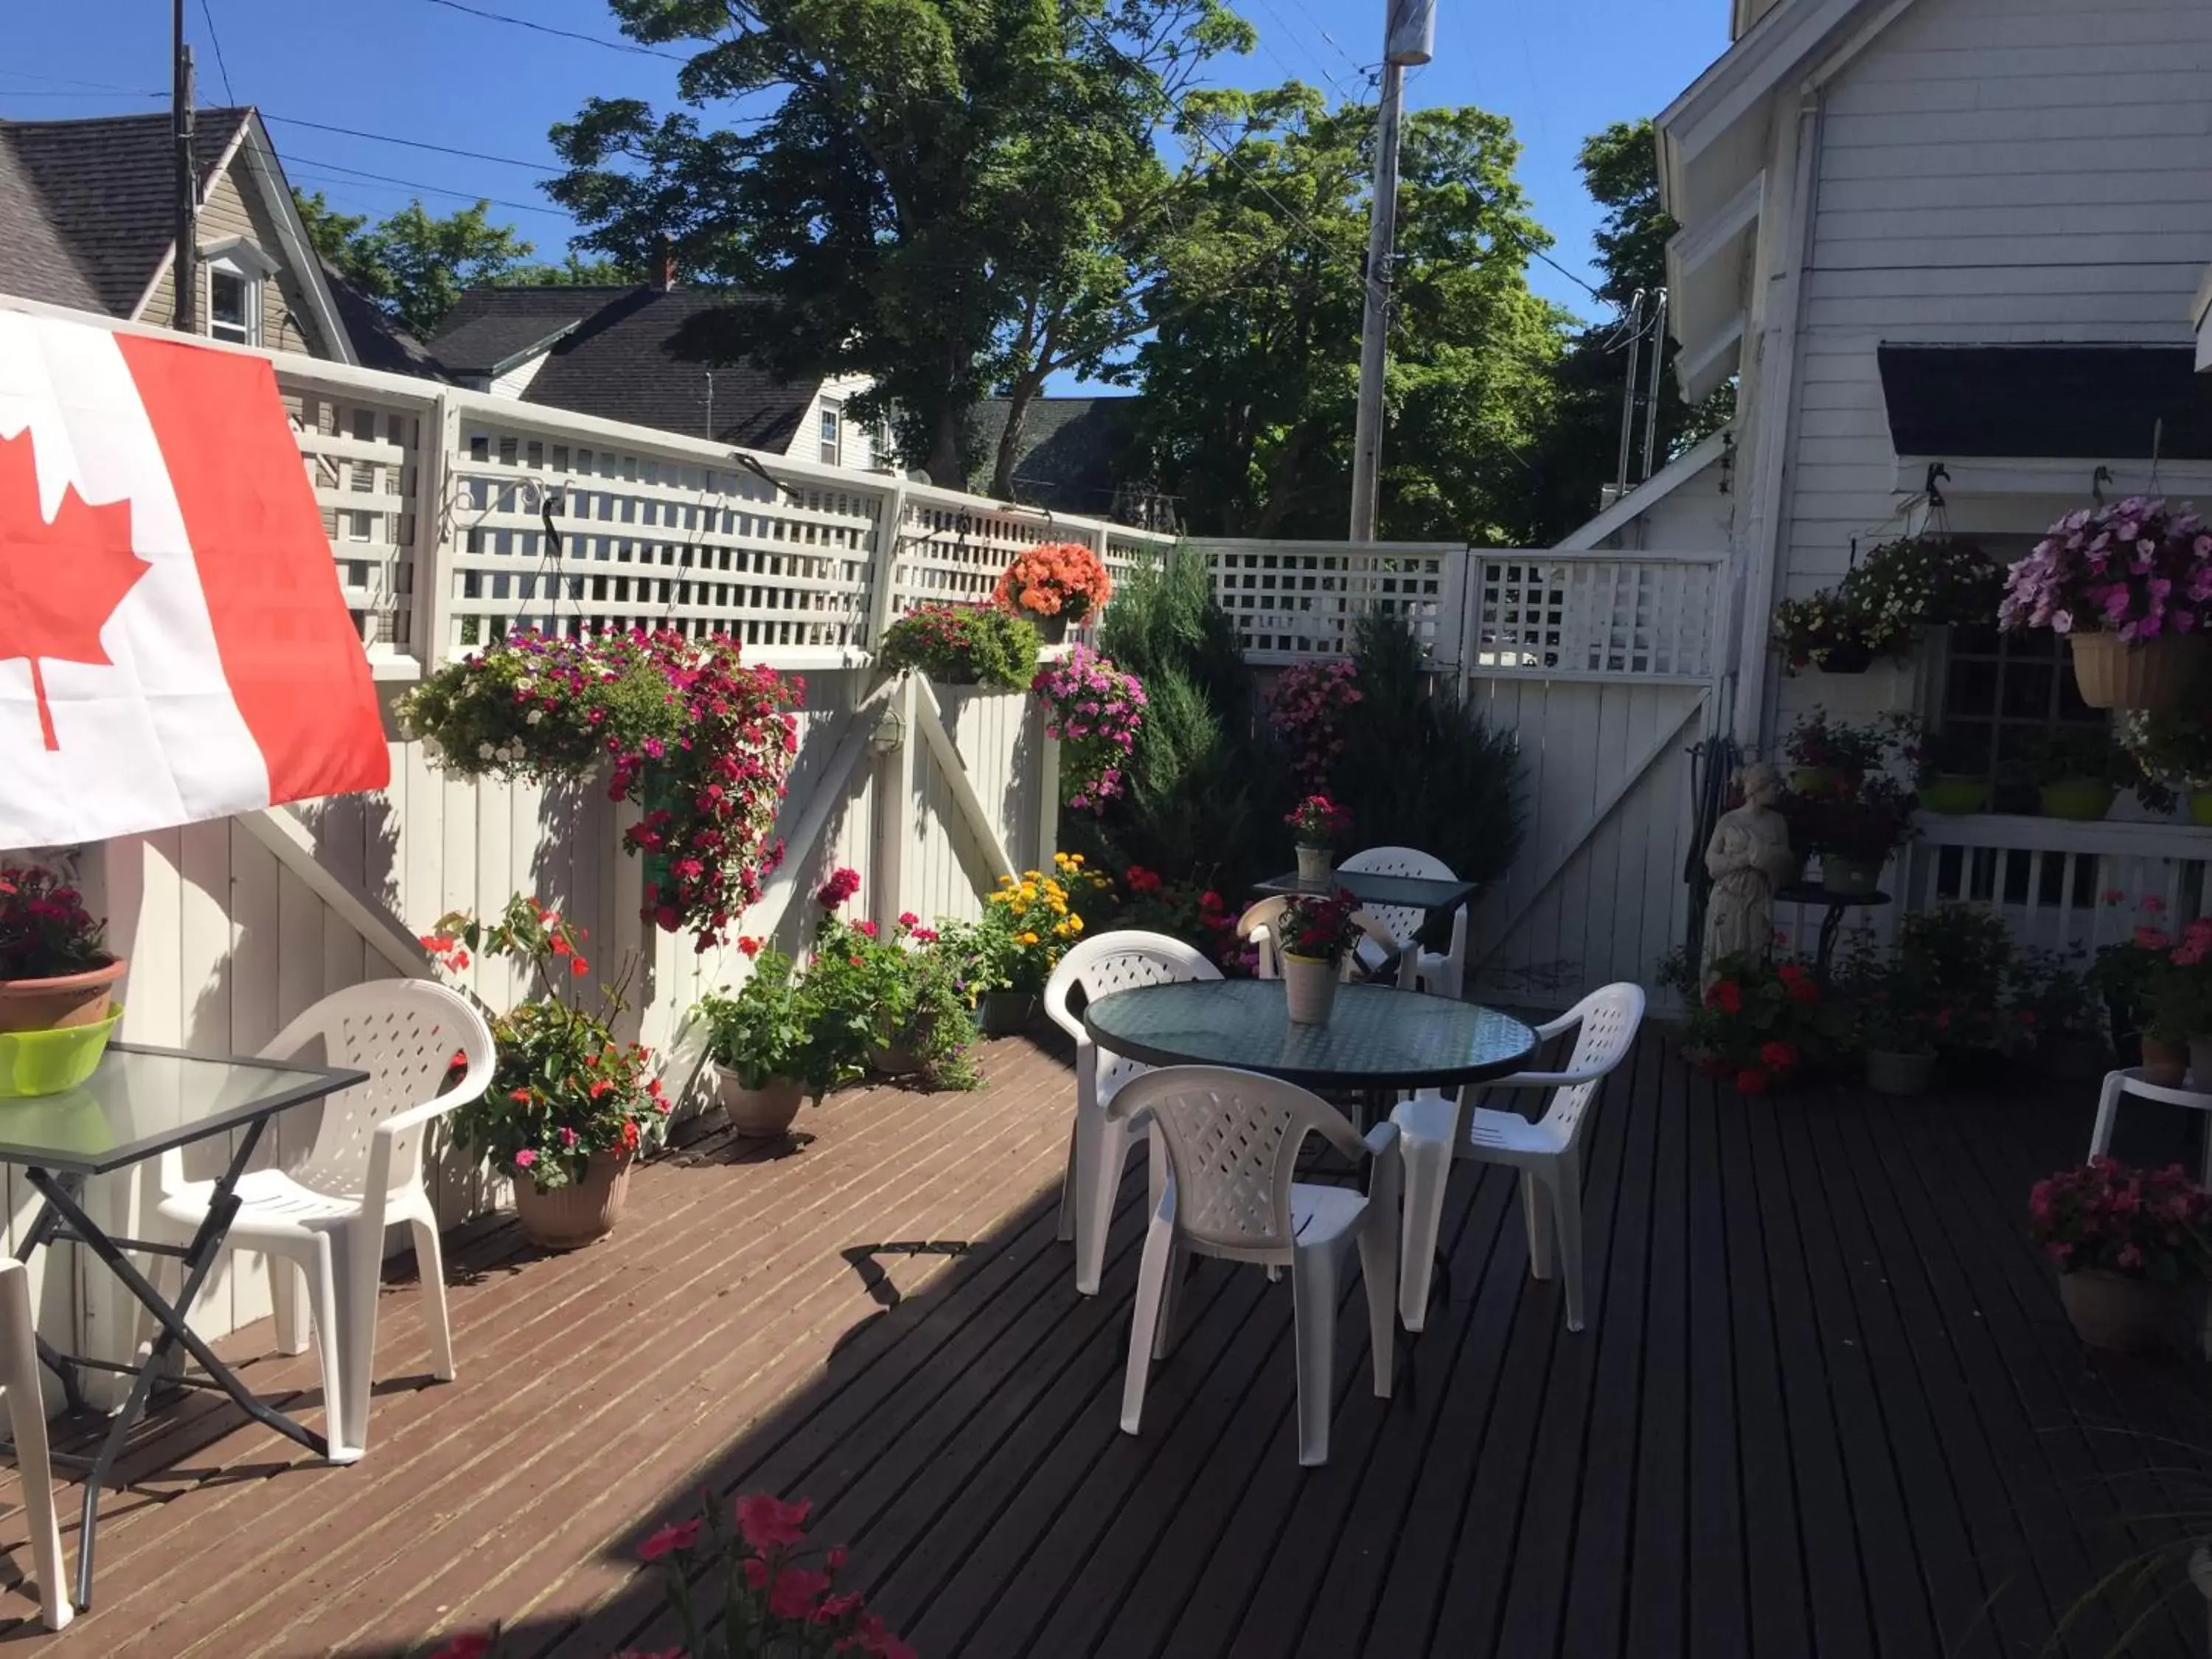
2130, 1247
1054, 584
2181, 996
1846, 805
1093, 711
570, 1108
964, 645
2055, 1008
893, 1000
2077, 773
771, 1046
1306, 707
1958, 956
2174, 747
1894, 1021
1883, 601
1827, 756
1027, 923
1316, 823
2126, 974
1315, 933
1827, 630
2124, 584
1755, 1023
1953, 776
58, 981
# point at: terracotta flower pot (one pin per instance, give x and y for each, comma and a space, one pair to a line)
579, 1213
1954, 794
2158, 673
2082, 800
1309, 986
48, 1005
1315, 864
2118, 1314
1889, 1073
2164, 1061
761, 1113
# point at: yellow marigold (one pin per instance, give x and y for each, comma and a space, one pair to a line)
1075, 924
1025, 939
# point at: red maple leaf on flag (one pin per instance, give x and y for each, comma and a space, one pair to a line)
60, 581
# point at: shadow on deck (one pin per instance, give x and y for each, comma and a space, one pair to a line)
1828, 1404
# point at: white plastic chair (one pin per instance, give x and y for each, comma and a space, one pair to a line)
1097, 1144
1258, 927
1443, 973
27, 1426
325, 1219
2129, 1081
1232, 1140
1437, 1132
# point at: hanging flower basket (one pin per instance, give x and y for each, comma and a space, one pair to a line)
1848, 659
2154, 673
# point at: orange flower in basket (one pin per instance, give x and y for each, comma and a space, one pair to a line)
1053, 578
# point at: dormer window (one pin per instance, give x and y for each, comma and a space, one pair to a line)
236, 269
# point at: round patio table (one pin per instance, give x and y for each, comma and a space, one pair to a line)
1378, 1039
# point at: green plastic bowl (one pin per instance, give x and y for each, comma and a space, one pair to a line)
53, 1062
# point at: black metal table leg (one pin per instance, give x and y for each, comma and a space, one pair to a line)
199, 1258
1831, 923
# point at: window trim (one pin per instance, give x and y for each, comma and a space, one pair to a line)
239, 259
830, 435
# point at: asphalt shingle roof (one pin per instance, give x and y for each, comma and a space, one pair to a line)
1070, 454
87, 208
638, 354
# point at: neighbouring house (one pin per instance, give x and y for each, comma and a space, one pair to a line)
655, 355
1073, 458
88, 220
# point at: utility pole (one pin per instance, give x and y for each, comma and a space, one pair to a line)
185, 271
1634, 324
1409, 38
1651, 396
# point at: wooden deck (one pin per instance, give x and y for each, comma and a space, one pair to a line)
1827, 1405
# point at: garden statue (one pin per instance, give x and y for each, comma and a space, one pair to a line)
1748, 859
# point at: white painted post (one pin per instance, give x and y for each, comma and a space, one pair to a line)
438, 434
882, 597
897, 782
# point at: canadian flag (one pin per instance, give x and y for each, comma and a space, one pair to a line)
173, 644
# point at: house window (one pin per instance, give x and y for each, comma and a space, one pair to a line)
833, 425
233, 307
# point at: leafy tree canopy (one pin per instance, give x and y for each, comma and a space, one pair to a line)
949, 195
1250, 378
415, 266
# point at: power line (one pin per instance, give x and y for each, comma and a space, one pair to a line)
303, 164
413, 143
600, 40
216, 41
71, 81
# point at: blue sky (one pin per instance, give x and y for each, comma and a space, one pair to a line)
430, 71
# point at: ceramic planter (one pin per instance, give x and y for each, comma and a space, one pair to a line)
1005, 1013
2158, 673
1890, 1074
903, 1055
1849, 878
1315, 864
761, 1113
2199, 807
579, 1213
2084, 801
48, 1005
1051, 630
2118, 1314
1956, 794
1310, 985
2164, 1061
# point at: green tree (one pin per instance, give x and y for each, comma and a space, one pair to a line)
944, 197
1251, 376
1578, 452
415, 265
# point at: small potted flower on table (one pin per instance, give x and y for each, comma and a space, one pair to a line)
57, 980
1314, 934
1316, 823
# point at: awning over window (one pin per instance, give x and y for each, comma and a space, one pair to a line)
2094, 403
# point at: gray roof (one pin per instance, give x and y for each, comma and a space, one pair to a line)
1071, 451
87, 208
378, 342
638, 353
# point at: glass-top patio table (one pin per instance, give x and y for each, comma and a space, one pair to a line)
140, 1103
1378, 1040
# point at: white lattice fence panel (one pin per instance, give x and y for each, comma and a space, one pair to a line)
361, 457
951, 549
1128, 551
649, 539
1542, 615
1294, 599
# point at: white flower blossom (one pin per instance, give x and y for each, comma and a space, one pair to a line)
484, 752
533, 717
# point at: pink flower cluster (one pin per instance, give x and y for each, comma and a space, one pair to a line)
2147, 1224
842, 885
2196, 943
1307, 710
1317, 821
1095, 709
2130, 569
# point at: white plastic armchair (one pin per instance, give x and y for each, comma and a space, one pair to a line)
1098, 1145
2197, 1098
1445, 974
325, 1219
1437, 1132
1259, 926
1232, 1140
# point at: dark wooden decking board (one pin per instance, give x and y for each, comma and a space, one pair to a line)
1825, 1405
